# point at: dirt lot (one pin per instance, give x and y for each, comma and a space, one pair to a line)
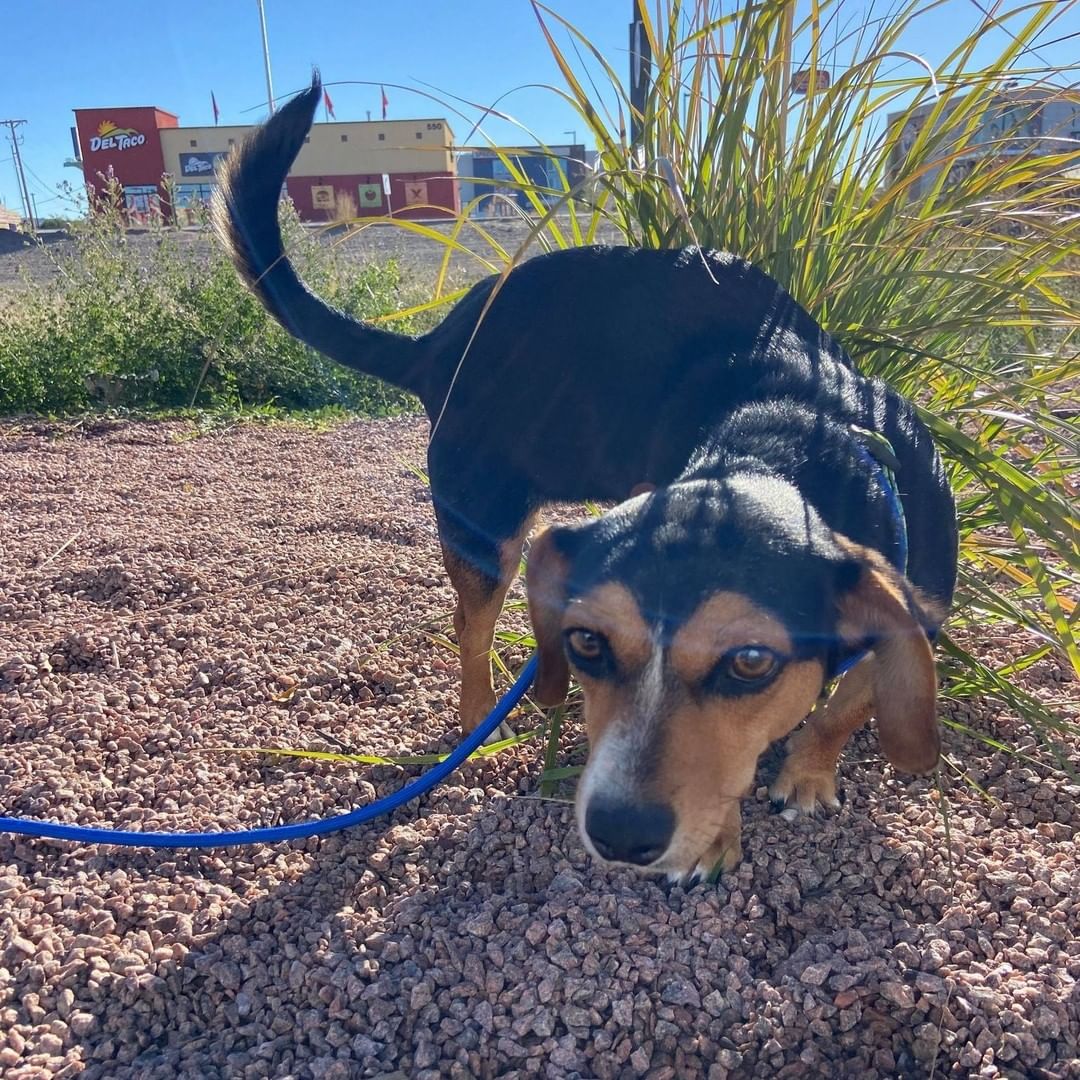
376, 243
162, 596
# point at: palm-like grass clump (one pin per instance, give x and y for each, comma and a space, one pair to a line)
928, 218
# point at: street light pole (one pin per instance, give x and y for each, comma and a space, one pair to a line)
266, 59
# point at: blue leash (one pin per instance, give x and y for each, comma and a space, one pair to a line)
436, 774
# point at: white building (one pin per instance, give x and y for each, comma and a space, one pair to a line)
1028, 120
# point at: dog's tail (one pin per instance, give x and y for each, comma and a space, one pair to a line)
245, 216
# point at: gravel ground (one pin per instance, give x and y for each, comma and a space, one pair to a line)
162, 595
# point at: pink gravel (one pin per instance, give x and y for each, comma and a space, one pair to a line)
163, 595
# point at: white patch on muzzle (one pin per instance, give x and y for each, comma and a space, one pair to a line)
611, 771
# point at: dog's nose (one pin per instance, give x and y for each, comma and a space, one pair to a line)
637, 833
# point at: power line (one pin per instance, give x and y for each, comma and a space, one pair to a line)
1058, 41
1001, 26
54, 192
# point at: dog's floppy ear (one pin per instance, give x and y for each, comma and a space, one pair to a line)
545, 579
880, 608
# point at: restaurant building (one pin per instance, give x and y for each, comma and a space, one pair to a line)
344, 170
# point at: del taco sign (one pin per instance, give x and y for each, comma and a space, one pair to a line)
111, 137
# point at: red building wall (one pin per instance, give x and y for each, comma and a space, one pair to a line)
127, 141
442, 192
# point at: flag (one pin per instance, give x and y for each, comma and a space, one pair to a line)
385, 102
217, 111
327, 102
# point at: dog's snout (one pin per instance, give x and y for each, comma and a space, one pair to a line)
637, 833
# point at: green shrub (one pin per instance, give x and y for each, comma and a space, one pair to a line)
170, 324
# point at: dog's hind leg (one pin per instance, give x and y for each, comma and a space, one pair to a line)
481, 569
809, 773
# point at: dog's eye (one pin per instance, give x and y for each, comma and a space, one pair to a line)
743, 671
585, 645
589, 652
752, 663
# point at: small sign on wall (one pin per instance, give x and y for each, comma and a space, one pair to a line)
415, 192
370, 195
322, 196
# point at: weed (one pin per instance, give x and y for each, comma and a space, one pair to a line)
162, 323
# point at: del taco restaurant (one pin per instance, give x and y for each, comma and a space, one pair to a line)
342, 171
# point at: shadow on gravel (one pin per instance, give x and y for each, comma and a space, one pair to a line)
470, 936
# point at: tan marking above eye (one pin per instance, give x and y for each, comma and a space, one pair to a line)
611, 611
725, 621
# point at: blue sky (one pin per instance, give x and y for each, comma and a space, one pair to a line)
63, 54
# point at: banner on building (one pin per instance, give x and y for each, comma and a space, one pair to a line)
204, 164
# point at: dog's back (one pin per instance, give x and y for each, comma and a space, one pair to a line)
597, 336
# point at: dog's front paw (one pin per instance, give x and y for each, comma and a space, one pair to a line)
475, 709
721, 858
803, 784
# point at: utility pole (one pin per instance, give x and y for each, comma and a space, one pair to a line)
24, 191
266, 59
640, 72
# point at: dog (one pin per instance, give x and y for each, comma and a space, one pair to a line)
758, 547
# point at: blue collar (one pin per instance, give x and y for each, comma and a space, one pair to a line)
877, 451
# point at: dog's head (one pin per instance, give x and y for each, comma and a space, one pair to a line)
702, 621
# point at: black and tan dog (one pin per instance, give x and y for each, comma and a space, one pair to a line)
704, 616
